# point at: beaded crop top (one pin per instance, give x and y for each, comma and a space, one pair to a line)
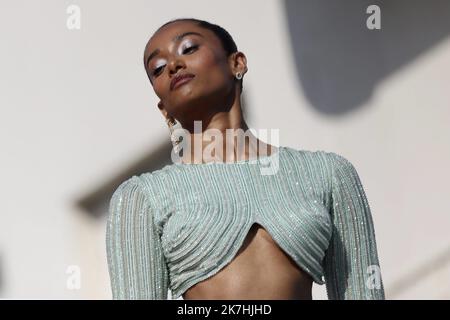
174, 227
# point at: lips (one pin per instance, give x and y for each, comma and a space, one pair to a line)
180, 79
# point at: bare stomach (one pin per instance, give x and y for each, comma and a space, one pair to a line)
260, 271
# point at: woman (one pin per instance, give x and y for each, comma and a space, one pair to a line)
219, 229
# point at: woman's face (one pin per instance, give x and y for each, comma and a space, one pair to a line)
200, 53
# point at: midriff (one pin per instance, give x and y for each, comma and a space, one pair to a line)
261, 270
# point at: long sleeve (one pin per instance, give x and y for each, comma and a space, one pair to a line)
351, 267
136, 263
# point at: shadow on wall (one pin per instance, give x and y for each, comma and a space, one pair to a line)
339, 61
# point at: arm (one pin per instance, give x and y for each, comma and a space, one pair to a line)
135, 257
351, 262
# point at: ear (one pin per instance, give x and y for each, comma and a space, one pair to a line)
238, 62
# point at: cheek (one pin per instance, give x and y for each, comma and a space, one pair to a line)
211, 69
161, 86
157, 89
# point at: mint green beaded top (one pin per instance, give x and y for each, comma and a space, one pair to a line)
176, 226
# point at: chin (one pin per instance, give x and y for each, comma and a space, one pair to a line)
189, 94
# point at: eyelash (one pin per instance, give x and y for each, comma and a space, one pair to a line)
155, 73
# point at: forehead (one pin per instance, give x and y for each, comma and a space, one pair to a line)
163, 37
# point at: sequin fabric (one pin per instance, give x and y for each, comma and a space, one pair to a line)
174, 227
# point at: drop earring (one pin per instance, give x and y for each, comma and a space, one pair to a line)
173, 125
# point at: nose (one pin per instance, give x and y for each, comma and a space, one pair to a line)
175, 64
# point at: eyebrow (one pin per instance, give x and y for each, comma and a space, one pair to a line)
175, 39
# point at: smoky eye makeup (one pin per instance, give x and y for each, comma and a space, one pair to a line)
187, 45
157, 67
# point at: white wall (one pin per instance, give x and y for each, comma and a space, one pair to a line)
77, 108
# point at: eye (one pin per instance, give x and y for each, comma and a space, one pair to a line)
190, 49
156, 71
